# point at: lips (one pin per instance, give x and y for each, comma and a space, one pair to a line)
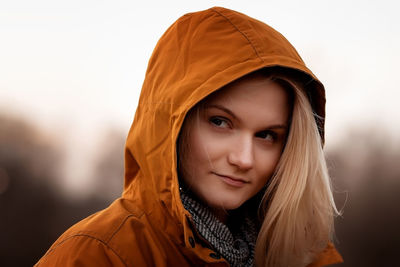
233, 181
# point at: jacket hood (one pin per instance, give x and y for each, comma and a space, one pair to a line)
200, 53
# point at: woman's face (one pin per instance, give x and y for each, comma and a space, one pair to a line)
233, 142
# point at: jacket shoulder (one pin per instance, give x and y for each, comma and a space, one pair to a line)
328, 256
81, 250
91, 242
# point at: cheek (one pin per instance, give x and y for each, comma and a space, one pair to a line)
194, 156
207, 146
266, 164
197, 148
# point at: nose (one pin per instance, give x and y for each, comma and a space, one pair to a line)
241, 154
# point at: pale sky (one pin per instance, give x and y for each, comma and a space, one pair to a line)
75, 68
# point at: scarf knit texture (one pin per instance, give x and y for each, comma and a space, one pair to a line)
236, 247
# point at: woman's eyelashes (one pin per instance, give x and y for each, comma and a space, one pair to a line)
267, 135
219, 122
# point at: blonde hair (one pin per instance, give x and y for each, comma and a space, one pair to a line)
298, 208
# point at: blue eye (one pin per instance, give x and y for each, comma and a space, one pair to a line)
219, 122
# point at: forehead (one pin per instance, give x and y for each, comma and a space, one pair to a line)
253, 95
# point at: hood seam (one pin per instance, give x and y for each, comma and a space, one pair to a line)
241, 32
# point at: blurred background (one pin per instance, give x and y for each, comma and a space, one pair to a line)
70, 78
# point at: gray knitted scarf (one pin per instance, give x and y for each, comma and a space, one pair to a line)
236, 247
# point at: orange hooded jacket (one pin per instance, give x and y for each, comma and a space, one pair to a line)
148, 225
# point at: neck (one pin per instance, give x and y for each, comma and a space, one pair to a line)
220, 214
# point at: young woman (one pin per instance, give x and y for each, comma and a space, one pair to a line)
224, 163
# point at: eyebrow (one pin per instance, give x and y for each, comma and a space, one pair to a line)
223, 109
275, 126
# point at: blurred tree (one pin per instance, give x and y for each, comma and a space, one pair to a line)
109, 166
366, 165
26, 162
33, 213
